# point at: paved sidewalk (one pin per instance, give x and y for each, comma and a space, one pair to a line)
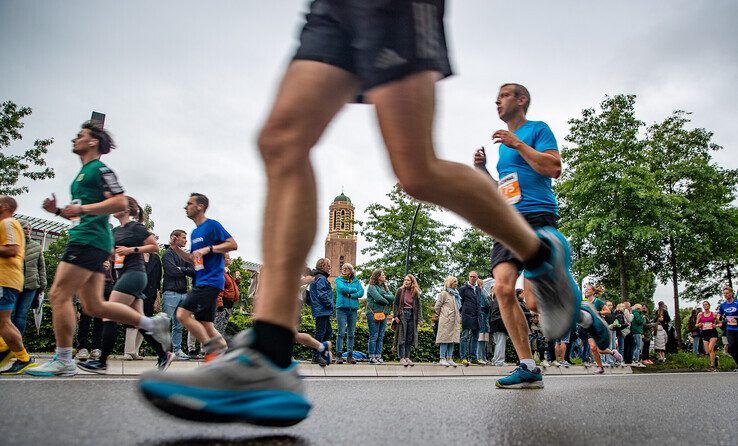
117, 366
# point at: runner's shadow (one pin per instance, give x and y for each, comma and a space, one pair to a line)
272, 440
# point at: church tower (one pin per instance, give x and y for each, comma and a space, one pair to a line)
340, 244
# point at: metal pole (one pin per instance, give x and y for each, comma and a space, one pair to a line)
410, 240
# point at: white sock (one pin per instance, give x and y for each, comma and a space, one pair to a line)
146, 324
321, 348
64, 354
529, 363
585, 319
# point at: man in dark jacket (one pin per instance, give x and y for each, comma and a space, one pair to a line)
321, 304
471, 295
174, 288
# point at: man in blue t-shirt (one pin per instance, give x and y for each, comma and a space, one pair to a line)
528, 159
209, 241
728, 312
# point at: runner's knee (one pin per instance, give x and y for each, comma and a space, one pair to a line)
505, 293
283, 149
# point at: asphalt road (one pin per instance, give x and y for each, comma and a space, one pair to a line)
571, 410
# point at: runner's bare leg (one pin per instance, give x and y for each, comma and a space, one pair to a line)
310, 95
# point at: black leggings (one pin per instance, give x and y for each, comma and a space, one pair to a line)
732, 336
83, 332
110, 335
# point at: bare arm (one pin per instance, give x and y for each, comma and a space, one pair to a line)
228, 245
480, 162
9, 250
110, 205
149, 246
546, 163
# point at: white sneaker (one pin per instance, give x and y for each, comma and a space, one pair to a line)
545, 364
83, 355
443, 362
451, 362
95, 353
161, 331
403, 361
483, 362
565, 364
557, 364
55, 367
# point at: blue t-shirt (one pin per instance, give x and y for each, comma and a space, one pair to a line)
729, 310
535, 189
210, 233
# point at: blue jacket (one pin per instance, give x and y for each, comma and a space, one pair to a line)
321, 295
348, 293
484, 307
470, 304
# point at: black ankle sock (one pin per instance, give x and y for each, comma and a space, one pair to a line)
109, 336
158, 349
275, 342
538, 259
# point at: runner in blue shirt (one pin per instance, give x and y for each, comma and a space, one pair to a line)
209, 241
728, 312
528, 159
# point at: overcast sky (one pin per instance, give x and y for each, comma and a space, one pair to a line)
186, 85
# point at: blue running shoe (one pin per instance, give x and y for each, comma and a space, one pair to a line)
326, 354
521, 378
241, 385
557, 294
599, 331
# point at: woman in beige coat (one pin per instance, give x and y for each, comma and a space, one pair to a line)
449, 320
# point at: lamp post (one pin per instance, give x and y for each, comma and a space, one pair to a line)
410, 240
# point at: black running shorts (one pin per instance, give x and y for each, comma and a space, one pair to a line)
85, 256
202, 301
378, 40
500, 253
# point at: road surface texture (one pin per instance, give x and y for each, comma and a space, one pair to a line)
618, 410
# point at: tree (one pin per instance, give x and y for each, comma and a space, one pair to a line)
13, 167
244, 278
697, 222
471, 252
386, 231
148, 222
53, 255
608, 198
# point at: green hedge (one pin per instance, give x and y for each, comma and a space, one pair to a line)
427, 350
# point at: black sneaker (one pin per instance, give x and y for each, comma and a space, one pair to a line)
94, 366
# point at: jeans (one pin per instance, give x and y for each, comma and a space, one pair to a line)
376, 335
696, 344
446, 351
610, 359
468, 348
346, 320
637, 344
482, 350
621, 343
19, 315
403, 350
323, 331
169, 302
500, 340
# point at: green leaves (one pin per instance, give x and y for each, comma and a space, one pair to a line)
13, 167
386, 232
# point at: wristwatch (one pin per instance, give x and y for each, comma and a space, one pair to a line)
135, 249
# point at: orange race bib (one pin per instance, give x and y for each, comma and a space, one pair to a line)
119, 259
509, 187
198, 263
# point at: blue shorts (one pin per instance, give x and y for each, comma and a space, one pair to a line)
8, 297
379, 41
564, 339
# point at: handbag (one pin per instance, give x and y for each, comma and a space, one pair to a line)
379, 316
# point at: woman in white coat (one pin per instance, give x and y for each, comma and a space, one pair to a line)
449, 321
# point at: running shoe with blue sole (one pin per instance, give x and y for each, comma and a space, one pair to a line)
242, 385
599, 330
521, 378
55, 367
557, 294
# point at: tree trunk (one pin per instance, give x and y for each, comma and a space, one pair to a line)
621, 267
729, 276
675, 283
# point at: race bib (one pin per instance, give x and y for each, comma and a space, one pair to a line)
119, 260
732, 320
509, 187
708, 325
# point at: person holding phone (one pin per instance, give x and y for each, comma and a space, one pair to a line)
707, 323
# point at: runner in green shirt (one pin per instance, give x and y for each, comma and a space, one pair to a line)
95, 195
